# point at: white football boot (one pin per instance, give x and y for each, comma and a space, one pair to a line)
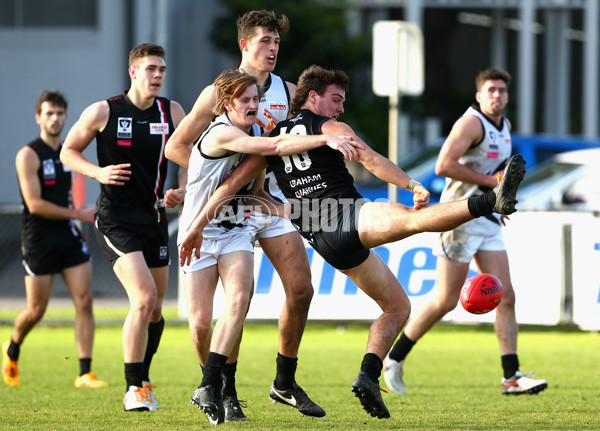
136, 400
393, 374
522, 384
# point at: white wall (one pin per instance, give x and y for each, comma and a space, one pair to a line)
86, 65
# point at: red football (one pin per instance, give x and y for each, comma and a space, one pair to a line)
481, 294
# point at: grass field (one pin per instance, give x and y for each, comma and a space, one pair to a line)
453, 378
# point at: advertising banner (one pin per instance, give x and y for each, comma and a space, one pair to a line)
534, 242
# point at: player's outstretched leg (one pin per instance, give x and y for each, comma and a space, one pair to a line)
506, 191
297, 398
369, 394
209, 399
522, 384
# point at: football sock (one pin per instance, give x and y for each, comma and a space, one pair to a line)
401, 348
510, 365
213, 369
229, 373
372, 365
85, 365
286, 372
133, 374
481, 205
155, 330
13, 351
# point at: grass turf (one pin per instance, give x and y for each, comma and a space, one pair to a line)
453, 378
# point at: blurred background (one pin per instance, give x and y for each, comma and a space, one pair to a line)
80, 47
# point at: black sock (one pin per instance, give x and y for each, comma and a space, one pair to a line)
401, 348
85, 365
213, 370
133, 374
286, 372
481, 205
13, 351
229, 373
372, 365
155, 330
510, 365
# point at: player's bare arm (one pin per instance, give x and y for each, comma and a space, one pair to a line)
190, 128
381, 166
467, 131
27, 164
233, 139
92, 121
174, 197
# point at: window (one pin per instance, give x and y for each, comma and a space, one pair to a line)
48, 13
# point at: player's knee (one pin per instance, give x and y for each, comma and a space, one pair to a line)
83, 302
508, 296
401, 309
300, 294
240, 300
200, 328
37, 312
144, 304
446, 306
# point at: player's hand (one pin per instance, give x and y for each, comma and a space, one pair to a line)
345, 145
114, 175
420, 197
190, 246
86, 215
272, 121
503, 219
174, 197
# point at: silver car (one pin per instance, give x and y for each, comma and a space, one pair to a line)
568, 181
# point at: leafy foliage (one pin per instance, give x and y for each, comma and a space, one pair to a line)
318, 35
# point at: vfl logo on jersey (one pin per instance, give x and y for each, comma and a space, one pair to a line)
124, 128
159, 128
49, 172
162, 252
493, 153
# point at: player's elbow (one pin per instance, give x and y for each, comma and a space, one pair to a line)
65, 156
169, 151
441, 168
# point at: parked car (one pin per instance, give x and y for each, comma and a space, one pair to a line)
568, 181
420, 163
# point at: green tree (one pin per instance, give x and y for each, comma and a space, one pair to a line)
318, 35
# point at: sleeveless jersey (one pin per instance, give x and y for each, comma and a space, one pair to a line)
137, 137
277, 100
488, 156
308, 178
205, 174
55, 181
